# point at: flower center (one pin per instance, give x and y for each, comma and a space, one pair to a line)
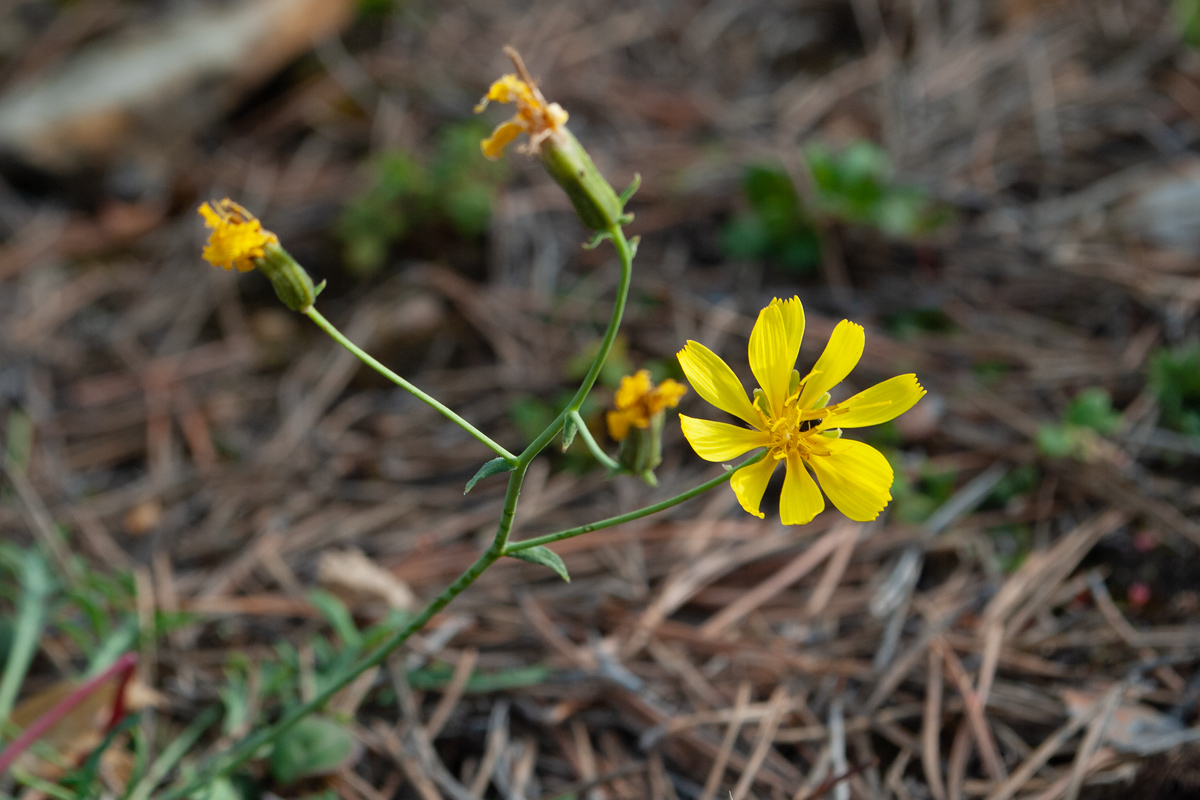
795, 432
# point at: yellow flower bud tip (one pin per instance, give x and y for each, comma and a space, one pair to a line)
237, 237
535, 117
637, 400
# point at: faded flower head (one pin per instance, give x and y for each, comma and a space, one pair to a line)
534, 116
637, 400
792, 418
237, 237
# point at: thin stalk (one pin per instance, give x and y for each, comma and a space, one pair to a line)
367, 359
586, 435
632, 515
625, 254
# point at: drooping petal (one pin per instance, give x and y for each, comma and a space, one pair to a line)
502, 137
842, 353
750, 482
856, 477
773, 350
720, 441
715, 382
801, 499
882, 402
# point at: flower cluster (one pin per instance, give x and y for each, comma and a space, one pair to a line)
237, 239
637, 400
791, 418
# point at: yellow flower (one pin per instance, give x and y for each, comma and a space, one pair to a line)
790, 417
237, 238
534, 115
637, 400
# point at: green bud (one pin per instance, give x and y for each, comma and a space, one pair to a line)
641, 450
291, 282
568, 163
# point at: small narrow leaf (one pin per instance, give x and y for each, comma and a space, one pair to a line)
493, 467
597, 238
630, 189
545, 557
568, 434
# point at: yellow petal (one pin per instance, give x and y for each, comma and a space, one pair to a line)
750, 482
632, 389
880, 403
773, 351
665, 396
618, 424
715, 382
720, 441
856, 477
801, 499
211, 218
493, 146
842, 353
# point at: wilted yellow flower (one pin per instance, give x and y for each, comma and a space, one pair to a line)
790, 417
637, 400
534, 115
237, 238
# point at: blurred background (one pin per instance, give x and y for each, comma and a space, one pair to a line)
1006, 194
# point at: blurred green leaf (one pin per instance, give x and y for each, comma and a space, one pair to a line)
1175, 380
1092, 408
409, 194
1187, 14
438, 676
316, 745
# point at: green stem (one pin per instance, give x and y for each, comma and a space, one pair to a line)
632, 515
367, 359
245, 750
599, 454
625, 253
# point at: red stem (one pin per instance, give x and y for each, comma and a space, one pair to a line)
124, 666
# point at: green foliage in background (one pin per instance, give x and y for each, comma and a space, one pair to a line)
455, 188
1175, 380
852, 186
914, 499
776, 228
1187, 14
1089, 416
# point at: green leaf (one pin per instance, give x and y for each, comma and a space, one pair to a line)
316, 745
338, 616
1092, 408
546, 557
494, 467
